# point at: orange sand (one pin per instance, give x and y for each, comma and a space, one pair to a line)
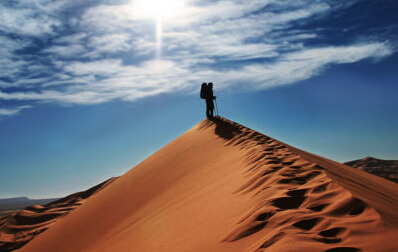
223, 187
19, 228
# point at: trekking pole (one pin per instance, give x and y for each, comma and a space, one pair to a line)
216, 107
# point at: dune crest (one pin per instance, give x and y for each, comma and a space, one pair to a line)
224, 187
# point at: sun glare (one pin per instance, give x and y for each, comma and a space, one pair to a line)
159, 8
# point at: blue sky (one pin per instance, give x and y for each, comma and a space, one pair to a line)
89, 89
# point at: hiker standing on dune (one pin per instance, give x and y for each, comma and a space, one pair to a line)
206, 93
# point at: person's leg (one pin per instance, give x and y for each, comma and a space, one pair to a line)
207, 109
211, 108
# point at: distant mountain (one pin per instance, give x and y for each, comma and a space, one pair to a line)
22, 202
13, 200
387, 169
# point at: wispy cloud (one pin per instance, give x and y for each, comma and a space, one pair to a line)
72, 53
12, 111
29, 18
298, 66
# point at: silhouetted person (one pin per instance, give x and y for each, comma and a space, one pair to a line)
206, 92
209, 101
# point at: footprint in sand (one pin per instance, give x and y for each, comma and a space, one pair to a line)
359, 208
321, 188
297, 192
329, 236
343, 249
272, 240
264, 216
301, 180
286, 203
307, 224
318, 207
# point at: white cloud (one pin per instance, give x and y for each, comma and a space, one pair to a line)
10, 64
298, 66
28, 19
155, 77
111, 43
8, 45
76, 38
72, 50
9, 68
111, 18
83, 97
106, 53
13, 111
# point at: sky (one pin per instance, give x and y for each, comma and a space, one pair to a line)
88, 89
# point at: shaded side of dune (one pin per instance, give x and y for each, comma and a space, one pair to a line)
303, 204
18, 229
387, 169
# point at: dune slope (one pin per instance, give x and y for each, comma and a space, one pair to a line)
18, 229
223, 187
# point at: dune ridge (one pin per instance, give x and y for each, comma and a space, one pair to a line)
18, 229
14, 205
224, 187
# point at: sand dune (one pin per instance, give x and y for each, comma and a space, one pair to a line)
223, 187
387, 169
14, 205
18, 229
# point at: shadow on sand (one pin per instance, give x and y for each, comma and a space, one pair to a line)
224, 128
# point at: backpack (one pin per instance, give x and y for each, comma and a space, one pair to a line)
203, 91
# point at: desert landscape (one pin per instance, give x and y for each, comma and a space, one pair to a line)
19, 228
13, 205
387, 169
221, 187
105, 100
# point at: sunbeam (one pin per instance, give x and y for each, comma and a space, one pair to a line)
159, 10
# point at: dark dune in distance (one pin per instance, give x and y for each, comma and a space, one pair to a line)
12, 205
387, 169
20, 227
224, 187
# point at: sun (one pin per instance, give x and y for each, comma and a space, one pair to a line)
159, 8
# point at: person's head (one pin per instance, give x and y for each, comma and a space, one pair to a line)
204, 83
210, 84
